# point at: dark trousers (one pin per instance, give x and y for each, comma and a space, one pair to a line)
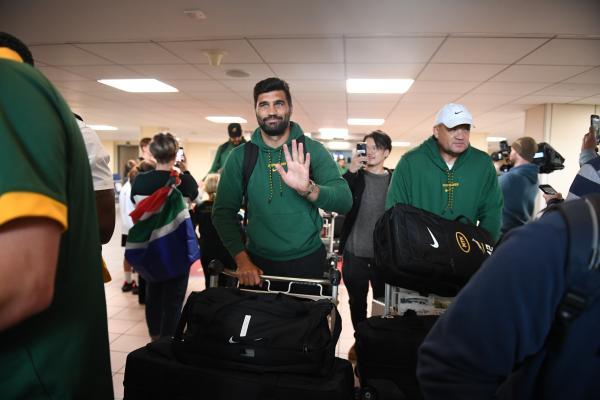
312, 266
357, 273
164, 301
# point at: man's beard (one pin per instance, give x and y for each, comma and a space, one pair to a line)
276, 130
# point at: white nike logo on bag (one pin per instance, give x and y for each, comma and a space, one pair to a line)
232, 341
435, 244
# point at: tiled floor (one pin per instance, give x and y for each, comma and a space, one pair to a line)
126, 321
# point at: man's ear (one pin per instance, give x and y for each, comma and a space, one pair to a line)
386, 153
436, 131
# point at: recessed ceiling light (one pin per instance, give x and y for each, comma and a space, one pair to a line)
400, 144
225, 119
495, 139
237, 73
334, 133
378, 85
338, 145
103, 127
366, 121
139, 85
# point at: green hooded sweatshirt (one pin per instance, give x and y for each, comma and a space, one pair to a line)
223, 152
423, 180
282, 225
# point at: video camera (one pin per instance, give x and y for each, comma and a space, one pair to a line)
546, 157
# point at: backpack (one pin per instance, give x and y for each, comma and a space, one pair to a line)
421, 251
261, 332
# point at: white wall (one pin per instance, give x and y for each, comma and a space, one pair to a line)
567, 123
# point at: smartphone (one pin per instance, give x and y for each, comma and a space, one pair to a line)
595, 124
547, 189
361, 150
180, 156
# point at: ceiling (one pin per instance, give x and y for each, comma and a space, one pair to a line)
499, 58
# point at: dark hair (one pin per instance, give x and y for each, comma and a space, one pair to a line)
11, 42
381, 139
270, 85
164, 147
145, 166
145, 141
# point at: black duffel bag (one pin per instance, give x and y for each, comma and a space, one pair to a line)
421, 251
261, 332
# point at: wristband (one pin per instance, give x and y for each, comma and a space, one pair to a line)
311, 188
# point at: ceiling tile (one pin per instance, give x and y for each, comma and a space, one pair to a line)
571, 90
237, 51
373, 98
537, 73
566, 52
59, 74
65, 54
219, 96
456, 87
322, 50
257, 72
86, 86
196, 85
369, 110
460, 72
169, 71
387, 50
435, 101
242, 86
306, 97
96, 72
511, 88
589, 100
535, 100
309, 71
485, 50
132, 53
316, 85
591, 76
383, 71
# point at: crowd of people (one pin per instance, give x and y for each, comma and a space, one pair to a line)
53, 316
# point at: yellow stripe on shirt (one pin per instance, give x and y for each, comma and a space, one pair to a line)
15, 205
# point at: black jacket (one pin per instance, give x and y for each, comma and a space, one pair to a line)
356, 182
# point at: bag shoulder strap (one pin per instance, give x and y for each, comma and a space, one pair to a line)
582, 218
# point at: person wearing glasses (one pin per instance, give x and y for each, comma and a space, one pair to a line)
445, 175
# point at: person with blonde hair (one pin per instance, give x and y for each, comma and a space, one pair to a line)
210, 243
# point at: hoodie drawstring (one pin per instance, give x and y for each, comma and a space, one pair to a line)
271, 168
449, 188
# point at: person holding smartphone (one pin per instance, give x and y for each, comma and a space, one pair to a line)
368, 180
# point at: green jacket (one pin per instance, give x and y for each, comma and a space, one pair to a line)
223, 152
282, 225
469, 189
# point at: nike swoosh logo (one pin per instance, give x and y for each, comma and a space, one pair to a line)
457, 112
435, 243
232, 341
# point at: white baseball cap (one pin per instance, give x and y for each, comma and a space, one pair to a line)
452, 115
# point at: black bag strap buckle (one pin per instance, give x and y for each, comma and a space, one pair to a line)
572, 306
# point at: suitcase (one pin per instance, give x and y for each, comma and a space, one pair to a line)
152, 372
386, 352
387, 343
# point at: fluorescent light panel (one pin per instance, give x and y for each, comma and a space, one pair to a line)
222, 119
334, 133
400, 144
378, 85
366, 121
139, 85
495, 139
103, 127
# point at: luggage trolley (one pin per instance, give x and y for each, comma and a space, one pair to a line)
397, 301
332, 281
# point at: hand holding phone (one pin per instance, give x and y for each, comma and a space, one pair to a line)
361, 151
595, 126
180, 155
547, 189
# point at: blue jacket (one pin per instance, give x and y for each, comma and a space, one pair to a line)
519, 187
491, 340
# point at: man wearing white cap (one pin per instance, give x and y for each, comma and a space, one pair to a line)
448, 177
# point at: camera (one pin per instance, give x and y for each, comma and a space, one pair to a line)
548, 159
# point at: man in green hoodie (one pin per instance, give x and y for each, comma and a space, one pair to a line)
448, 177
285, 191
234, 130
